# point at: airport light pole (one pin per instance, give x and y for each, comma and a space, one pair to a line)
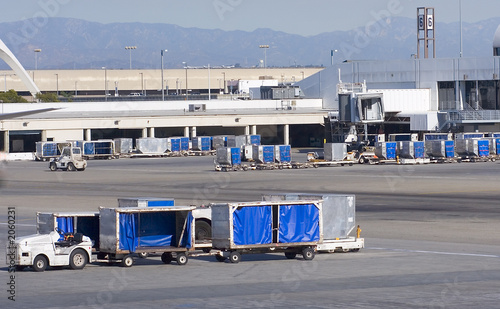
224, 83
57, 84
162, 85
332, 53
186, 67
129, 48
105, 84
36, 50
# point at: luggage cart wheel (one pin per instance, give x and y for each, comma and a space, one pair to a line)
127, 261
166, 257
308, 253
235, 257
290, 255
181, 258
220, 258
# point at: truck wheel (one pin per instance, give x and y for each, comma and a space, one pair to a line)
234, 257
127, 261
181, 258
82, 169
52, 166
166, 257
40, 263
78, 259
71, 167
290, 255
20, 267
308, 253
203, 230
361, 160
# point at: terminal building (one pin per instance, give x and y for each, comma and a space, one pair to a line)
421, 95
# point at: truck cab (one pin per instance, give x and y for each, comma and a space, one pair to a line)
70, 160
43, 250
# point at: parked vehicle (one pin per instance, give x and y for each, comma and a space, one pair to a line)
70, 160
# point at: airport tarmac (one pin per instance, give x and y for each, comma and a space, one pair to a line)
431, 236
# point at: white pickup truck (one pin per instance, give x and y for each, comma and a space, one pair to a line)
42, 250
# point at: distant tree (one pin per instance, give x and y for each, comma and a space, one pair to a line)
47, 97
11, 96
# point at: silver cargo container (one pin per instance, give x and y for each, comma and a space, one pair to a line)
237, 141
339, 211
335, 151
123, 145
151, 145
263, 153
146, 202
472, 147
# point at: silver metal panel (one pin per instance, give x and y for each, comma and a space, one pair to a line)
406, 149
221, 222
338, 211
224, 155
108, 230
151, 145
236, 141
435, 148
335, 151
123, 145
45, 223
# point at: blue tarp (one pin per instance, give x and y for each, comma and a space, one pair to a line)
128, 232
268, 154
390, 150
255, 139
156, 241
187, 240
175, 144
298, 223
419, 148
498, 146
285, 153
236, 156
184, 143
483, 148
88, 149
65, 224
450, 149
160, 203
252, 225
437, 137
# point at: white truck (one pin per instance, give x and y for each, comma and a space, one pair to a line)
70, 160
43, 250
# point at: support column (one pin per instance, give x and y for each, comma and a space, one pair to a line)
186, 131
144, 132
151, 132
193, 132
254, 130
286, 134
247, 130
87, 134
44, 136
6, 141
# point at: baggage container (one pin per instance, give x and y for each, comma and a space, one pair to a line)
335, 151
472, 147
229, 156
283, 153
411, 150
201, 143
219, 141
86, 223
123, 145
247, 153
497, 143
146, 202
469, 135
184, 143
99, 149
237, 141
174, 144
493, 147
46, 150
386, 150
339, 211
440, 148
403, 137
151, 145
259, 227
263, 154
438, 137
253, 139
126, 231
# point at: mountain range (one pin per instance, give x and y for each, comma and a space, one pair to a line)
78, 44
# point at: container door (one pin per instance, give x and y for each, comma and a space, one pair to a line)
498, 146
298, 223
483, 148
252, 225
268, 154
450, 149
391, 150
236, 156
419, 149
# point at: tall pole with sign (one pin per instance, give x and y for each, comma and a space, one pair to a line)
426, 31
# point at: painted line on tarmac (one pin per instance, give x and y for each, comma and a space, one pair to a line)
437, 252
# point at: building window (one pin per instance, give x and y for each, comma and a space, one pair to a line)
446, 95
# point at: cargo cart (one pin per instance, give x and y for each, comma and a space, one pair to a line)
291, 227
126, 232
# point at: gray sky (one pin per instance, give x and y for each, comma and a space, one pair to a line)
304, 17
